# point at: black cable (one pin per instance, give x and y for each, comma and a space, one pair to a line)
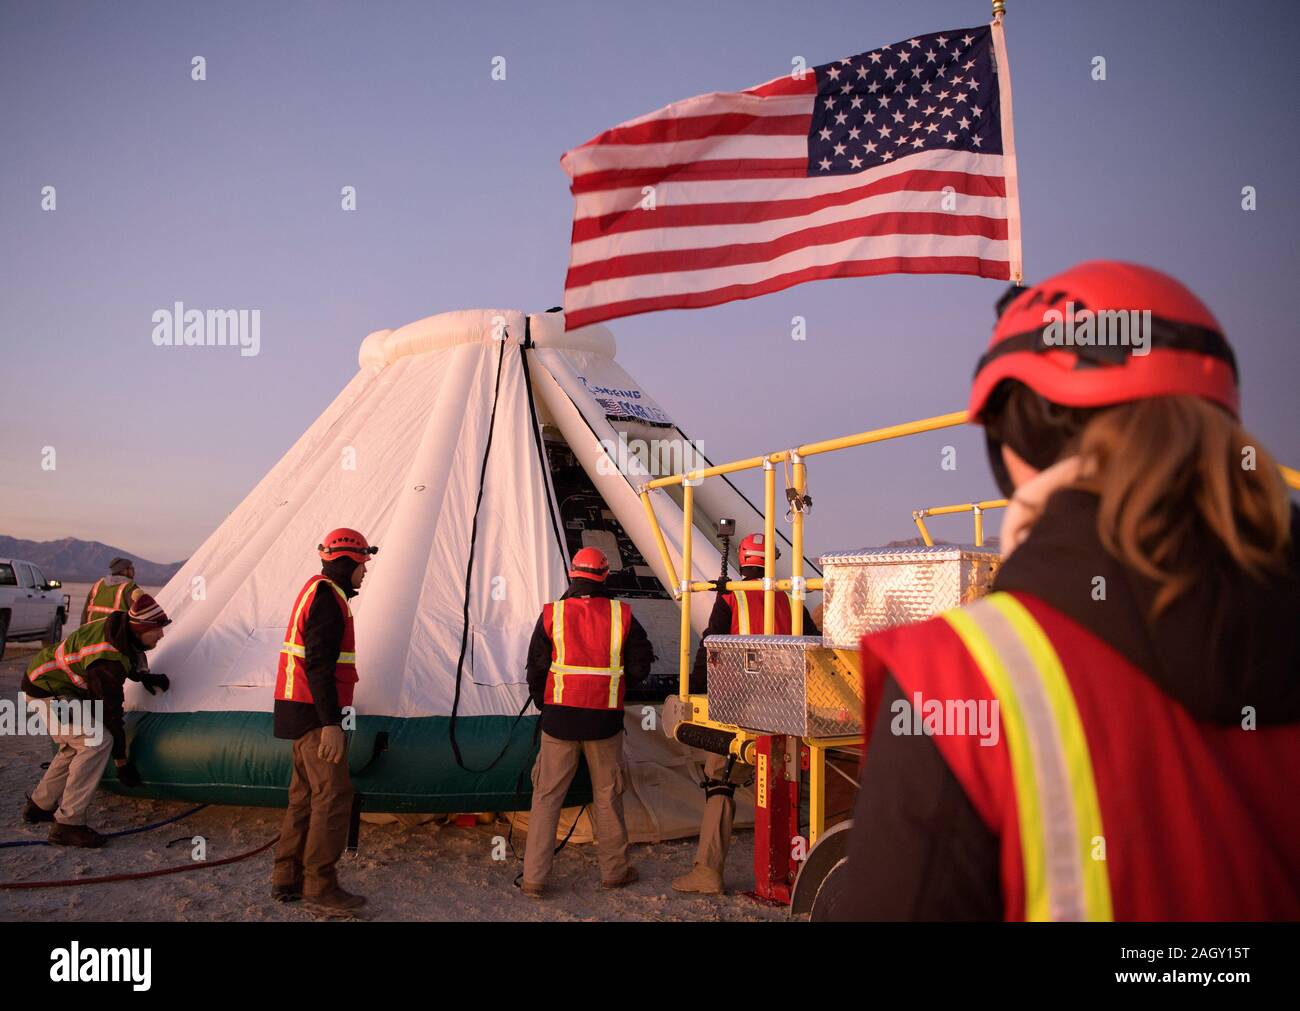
112, 835
542, 460
555, 852
469, 576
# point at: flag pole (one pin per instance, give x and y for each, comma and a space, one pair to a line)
1008, 144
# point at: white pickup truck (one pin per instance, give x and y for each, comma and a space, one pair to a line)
30, 605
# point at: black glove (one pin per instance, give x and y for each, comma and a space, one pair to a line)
720, 585
152, 681
127, 776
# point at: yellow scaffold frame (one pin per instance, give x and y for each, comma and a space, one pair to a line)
796, 585
978, 508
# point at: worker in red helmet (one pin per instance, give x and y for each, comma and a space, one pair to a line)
314, 686
734, 613
1114, 732
586, 649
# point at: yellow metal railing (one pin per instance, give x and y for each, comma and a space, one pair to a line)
796, 585
978, 508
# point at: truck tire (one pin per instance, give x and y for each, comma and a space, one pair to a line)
54, 634
4, 631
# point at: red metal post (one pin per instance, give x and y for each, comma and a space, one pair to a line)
776, 817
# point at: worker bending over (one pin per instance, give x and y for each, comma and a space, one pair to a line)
586, 649
315, 682
739, 613
114, 592
90, 665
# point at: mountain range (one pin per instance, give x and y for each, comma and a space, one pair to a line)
73, 561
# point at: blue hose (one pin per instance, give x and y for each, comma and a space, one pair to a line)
109, 835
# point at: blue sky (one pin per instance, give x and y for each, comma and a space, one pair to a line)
225, 192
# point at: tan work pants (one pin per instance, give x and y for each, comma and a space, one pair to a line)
315, 827
556, 764
719, 814
69, 783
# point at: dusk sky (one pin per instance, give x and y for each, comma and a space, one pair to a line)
225, 193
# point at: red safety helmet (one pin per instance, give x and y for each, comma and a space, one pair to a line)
345, 543
1186, 350
750, 551
589, 563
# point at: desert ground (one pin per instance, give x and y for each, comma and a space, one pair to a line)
429, 871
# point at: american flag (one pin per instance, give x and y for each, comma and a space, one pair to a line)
899, 160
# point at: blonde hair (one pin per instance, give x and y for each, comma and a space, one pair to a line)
1174, 476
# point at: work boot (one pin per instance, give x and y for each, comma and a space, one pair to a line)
703, 880
287, 893
628, 877
34, 814
531, 890
76, 835
337, 903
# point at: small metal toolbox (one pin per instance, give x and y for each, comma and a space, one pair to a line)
782, 684
873, 588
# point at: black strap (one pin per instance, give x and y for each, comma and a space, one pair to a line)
718, 788
354, 823
1166, 334
723, 787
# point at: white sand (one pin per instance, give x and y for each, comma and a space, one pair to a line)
429, 872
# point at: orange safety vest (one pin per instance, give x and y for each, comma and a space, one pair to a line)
1109, 800
747, 613
291, 679
587, 635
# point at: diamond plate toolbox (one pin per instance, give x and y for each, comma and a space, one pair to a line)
873, 588
782, 684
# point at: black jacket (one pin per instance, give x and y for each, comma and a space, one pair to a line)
569, 723
720, 624
323, 636
105, 679
919, 851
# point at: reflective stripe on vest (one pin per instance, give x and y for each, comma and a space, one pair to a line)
301, 652
1056, 796
742, 611
64, 662
102, 609
559, 668
85, 645
743, 626
292, 651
